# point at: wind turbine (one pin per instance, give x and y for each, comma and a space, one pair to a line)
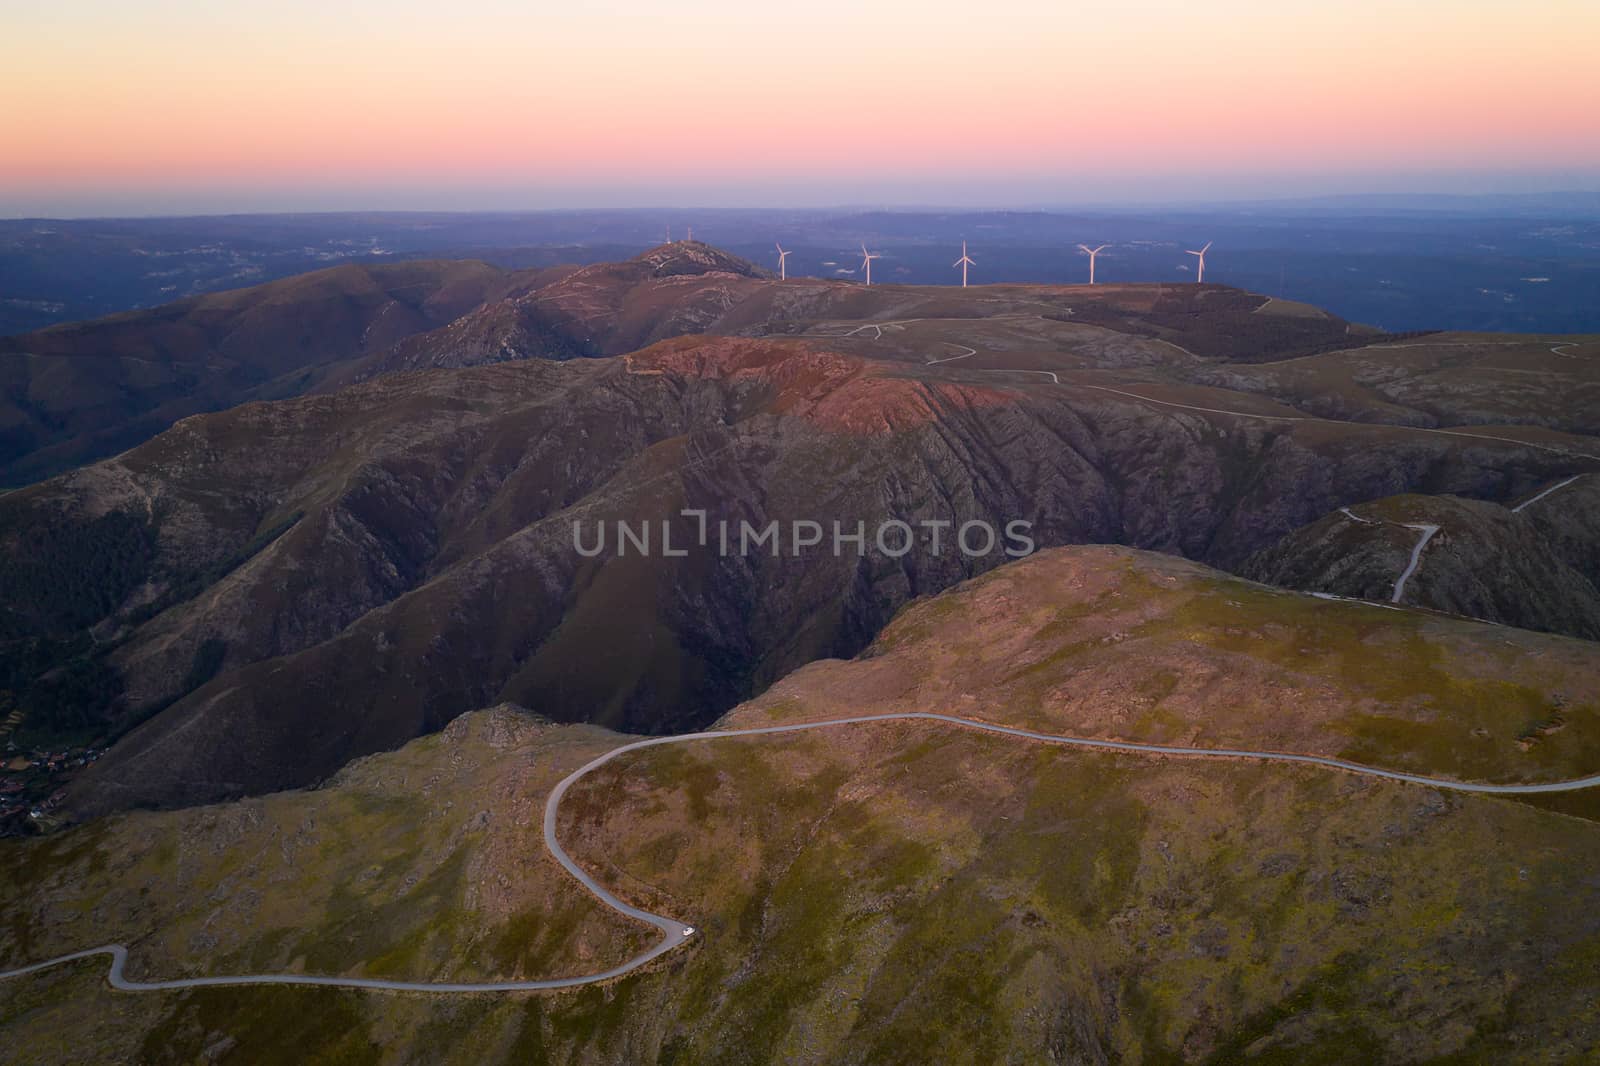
1200, 273
866, 260
964, 262
1091, 253
783, 272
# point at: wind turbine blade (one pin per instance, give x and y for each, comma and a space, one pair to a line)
1206, 248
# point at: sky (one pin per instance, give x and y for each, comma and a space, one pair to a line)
174, 106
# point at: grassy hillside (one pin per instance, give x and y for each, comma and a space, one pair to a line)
908, 892
1440, 379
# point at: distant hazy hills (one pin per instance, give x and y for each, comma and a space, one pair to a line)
74, 393
1505, 263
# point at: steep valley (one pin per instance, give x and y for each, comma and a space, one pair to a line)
285, 586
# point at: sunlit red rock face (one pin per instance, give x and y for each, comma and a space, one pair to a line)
806, 380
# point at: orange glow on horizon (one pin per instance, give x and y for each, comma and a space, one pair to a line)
299, 94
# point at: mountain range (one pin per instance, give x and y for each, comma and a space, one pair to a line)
254, 597
1191, 759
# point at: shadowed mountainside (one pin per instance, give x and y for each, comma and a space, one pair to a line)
74, 393
255, 597
599, 310
1536, 568
907, 891
406, 550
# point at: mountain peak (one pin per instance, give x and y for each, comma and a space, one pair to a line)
696, 257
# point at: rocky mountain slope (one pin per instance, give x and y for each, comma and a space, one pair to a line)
74, 393
906, 891
599, 310
255, 597
1535, 567
406, 548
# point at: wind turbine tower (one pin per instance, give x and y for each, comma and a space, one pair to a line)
783, 271
1200, 271
866, 260
964, 262
1091, 253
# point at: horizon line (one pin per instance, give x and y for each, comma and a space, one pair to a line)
905, 207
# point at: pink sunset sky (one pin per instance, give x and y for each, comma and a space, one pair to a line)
115, 107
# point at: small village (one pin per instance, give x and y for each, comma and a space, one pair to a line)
33, 784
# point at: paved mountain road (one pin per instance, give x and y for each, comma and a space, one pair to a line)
1427, 531
675, 932
1557, 487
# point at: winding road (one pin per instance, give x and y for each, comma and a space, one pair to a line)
675, 932
1553, 488
1427, 531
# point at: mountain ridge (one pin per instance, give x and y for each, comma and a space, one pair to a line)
1210, 906
408, 539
